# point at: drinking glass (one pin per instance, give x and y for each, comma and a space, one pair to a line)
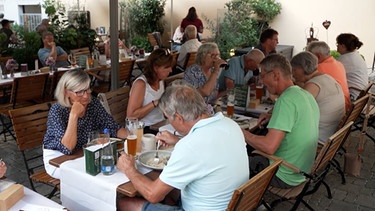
230, 102
72, 59
132, 126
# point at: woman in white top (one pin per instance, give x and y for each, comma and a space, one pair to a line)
148, 88
355, 65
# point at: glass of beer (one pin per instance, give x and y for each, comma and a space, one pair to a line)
132, 126
259, 91
230, 102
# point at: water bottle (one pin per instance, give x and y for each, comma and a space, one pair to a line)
107, 162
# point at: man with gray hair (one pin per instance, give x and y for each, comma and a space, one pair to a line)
191, 45
207, 164
329, 65
292, 126
241, 69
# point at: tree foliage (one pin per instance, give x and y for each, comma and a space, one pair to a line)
69, 35
143, 16
242, 23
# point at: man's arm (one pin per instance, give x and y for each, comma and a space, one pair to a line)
61, 55
268, 144
152, 191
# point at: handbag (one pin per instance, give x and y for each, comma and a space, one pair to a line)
353, 163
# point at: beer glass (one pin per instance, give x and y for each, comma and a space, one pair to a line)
230, 102
132, 126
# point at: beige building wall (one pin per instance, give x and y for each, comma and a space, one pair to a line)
292, 24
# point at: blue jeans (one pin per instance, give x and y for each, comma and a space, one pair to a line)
147, 206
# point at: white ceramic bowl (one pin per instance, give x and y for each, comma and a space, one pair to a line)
147, 158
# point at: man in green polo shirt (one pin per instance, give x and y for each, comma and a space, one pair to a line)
292, 127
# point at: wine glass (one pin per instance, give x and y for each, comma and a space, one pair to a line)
72, 59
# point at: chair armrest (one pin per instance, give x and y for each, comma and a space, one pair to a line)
275, 158
355, 88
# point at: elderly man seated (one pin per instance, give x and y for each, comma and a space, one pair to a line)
191, 45
207, 164
292, 128
241, 69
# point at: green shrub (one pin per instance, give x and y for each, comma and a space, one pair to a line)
242, 23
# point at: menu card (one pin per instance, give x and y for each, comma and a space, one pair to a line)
242, 93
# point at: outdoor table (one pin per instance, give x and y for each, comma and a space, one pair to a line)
76, 182
32, 200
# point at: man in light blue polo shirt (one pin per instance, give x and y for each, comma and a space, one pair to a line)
51, 50
240, 69
207, 164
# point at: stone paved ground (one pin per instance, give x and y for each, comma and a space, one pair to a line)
356, 194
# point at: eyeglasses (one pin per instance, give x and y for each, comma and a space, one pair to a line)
261, 76
214, 55
82, 92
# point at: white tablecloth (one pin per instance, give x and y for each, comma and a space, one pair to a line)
81, 191
33, 201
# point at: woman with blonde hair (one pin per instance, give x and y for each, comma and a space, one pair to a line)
203, 75
73, 117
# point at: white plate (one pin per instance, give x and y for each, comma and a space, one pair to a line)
148, 156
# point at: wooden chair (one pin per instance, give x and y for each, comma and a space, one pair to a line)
81, 51
56, 78
116, 103
189, 60
152, 40
125, 72
29, 88
170, 79
30, 125
315, 177
26, 91
249, 195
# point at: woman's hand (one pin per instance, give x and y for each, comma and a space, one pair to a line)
78, 109
166, 138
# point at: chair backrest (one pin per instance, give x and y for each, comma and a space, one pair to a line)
170, 79
175, 56
354, 110
116, 103
330, 147
81, 51
3, 60
249, 195
365, 91
190, 59
56, 78
151, 39
125, 71
30, 125
29, 88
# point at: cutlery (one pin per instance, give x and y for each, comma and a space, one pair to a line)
156, 158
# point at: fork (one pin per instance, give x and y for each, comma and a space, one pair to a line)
156, 158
